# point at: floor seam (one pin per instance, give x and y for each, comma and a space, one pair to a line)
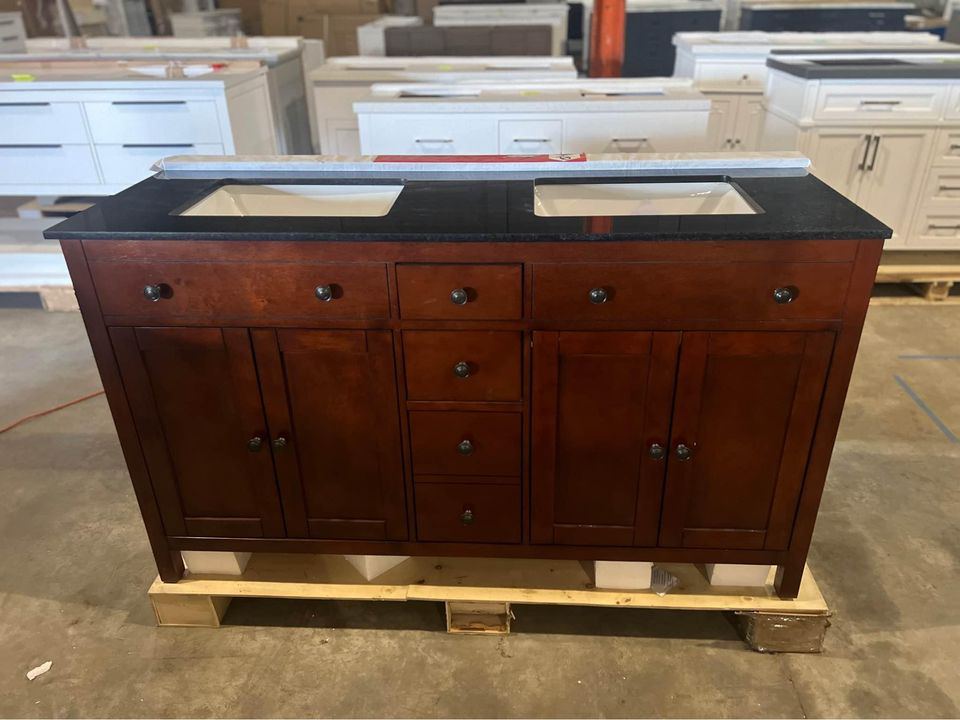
796, 690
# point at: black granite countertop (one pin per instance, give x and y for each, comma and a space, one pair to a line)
912, 66
791, 208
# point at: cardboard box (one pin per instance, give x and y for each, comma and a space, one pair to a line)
307, 17
249, 14
340, 33
273, 17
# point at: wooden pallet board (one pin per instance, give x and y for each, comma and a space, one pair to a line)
930, 275
480, 593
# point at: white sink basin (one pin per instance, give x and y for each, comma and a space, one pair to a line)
298, 201
643, 198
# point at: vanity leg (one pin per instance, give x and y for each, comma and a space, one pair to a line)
789, 575
169, 564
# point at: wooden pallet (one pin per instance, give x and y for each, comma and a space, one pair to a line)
929, 275
481, 594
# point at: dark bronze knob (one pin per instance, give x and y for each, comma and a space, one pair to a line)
459, 296
255, 443
598, 295
152, 292
279, 443
657, 451
324, 292
465, 447
784, 295
462, 369
684, 453
466, 517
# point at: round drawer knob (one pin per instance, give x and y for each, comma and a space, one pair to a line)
279, 443
153, 293
462, 369
255, 443
465, 447
657, 451
684, 453
598, 295
784, 295
324, 293
466, 517
459, 296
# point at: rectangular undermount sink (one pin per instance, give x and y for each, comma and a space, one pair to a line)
642, 198
297, 201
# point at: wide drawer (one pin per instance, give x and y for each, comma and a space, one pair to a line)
218, 290
936, 229
947, 147
464, 512
528, 137
26, 121
466, 443
153, 121
462, 365
943, 184
131, 163
51, 164
460, 292
706, 291
428, 135
880, 102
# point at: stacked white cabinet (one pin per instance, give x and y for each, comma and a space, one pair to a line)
890, 145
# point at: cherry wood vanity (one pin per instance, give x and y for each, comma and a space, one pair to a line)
463, 378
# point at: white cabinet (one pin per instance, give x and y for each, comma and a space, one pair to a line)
839, 156
530, 137
723, 120
153, 121
736, 121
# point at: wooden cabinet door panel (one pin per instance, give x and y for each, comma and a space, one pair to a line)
332, 395
196, 404
600, 399
746, 405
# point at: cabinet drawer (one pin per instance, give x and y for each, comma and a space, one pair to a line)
48, 164
465, 443
664, 291
527, 137
462, 365
489, 292
153, 121
942, 185
217, 290
129, 164
936, 230
455, 512
947, 147
436, 135
879, 102
23, 121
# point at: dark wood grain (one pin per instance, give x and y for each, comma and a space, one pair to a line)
493, 359
495, 439
493, 292
495, 513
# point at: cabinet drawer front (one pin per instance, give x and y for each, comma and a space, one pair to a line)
259, 291
131, 163
489, 292
947, 147
25, 121
714, 291
936, 229
746, 74
48, 164
915, 101
429, 135
462, 365
465, 443
454, 512
943, 184
525, 137
153, 121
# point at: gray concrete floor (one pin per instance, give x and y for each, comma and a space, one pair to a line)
74, 568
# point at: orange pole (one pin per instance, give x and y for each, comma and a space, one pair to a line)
607, 31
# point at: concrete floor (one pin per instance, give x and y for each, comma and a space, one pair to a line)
74, 567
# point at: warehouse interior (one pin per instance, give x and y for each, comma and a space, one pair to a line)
453, 358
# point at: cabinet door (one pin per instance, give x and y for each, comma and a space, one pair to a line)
749, 125
600, 401
720, 125
838, 156
331, 396
745, 410
894, 175
196, 404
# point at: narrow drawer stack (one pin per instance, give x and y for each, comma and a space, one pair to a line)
937, 222
464, 399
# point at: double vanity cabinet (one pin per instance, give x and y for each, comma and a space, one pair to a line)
473, 367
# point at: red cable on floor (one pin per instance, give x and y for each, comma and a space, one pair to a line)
34, 416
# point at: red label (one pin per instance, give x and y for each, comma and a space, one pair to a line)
562, 157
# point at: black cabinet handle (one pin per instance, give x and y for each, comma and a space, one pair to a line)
24, 104
876, 147
153, 293
657, 451
324, 293
866, 151
598, 295
683, 452
255, 443
465, 447
784, 295
279, 443
462, 369
459, 296
466, 517
157, 145
149, 102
